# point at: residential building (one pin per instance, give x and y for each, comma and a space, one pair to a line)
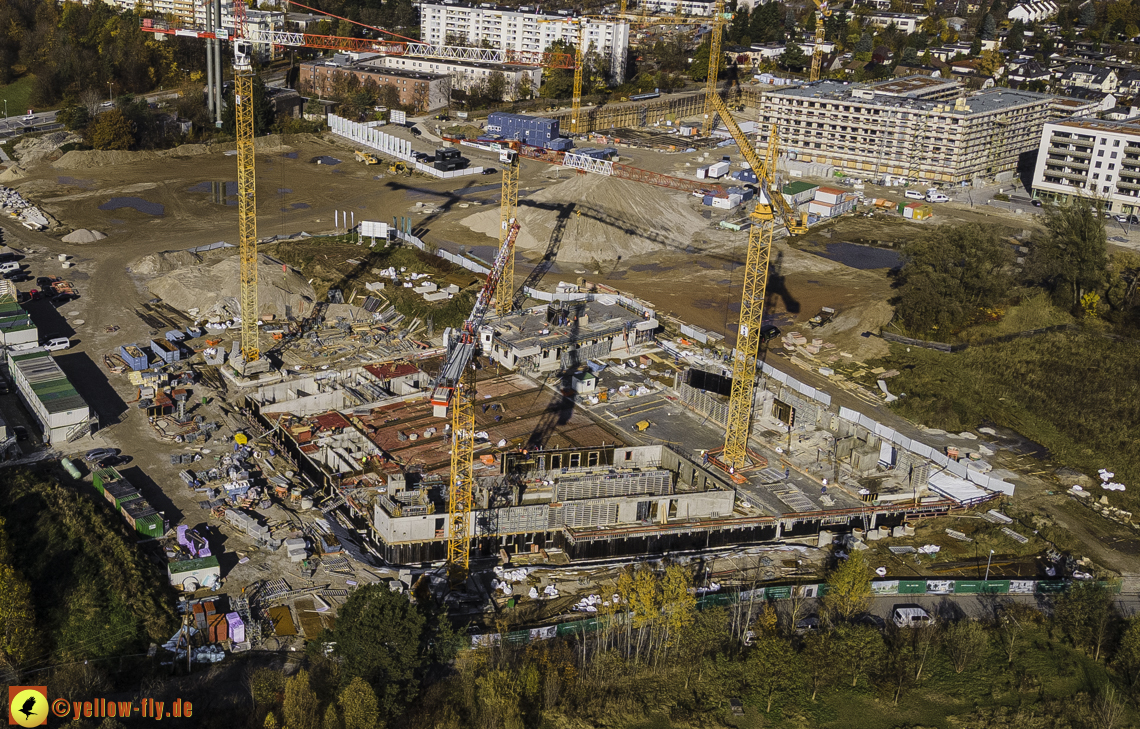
522, 29
422, 91
466, 75
1100, 100
49, 396
1028, 72
916, 127
1067, 106
1129, 84
906, 22
1089, 77
669, 7
1033, 12
1092, 158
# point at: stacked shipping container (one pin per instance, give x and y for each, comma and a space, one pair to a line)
127, 500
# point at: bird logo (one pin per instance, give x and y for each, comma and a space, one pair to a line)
27, 706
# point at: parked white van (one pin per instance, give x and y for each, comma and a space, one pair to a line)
910, 616
53, 345
913, 195
933, 196
9, 266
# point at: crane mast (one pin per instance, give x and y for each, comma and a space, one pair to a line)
820, 33
247, 201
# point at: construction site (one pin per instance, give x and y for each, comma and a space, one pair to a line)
503, 388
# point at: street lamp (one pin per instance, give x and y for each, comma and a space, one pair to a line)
988, 561
111, 92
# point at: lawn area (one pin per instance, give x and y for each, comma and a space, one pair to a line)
1076, 393
19, 94
95, 594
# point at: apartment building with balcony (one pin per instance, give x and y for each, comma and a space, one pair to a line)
1090, 158
520, 29
918, 128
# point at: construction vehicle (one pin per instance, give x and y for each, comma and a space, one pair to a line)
398, 168
366, 158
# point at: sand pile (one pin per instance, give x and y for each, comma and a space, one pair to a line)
206, 285
34, 150
79, 159
165, 262
83, 236
603, 217
13, 173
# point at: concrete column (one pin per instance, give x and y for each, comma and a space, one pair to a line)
210, 59
218, 65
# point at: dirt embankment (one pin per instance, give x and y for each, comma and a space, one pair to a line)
82, 159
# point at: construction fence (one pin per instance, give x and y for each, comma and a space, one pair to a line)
390, 146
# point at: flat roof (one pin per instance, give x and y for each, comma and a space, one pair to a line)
1099, 125
978, 103
531, 329
50, 386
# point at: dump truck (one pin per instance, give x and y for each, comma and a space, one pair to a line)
366, 158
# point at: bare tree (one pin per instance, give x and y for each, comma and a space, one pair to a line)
90, 99
1107, 708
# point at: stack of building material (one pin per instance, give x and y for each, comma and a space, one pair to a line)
247, 524
217, 629
296, 550
236, 627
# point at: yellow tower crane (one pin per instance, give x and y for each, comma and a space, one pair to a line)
820, 32
247, 204
505, 291
771, 211
714, 70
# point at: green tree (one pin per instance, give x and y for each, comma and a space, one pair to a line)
380, 637
849, 587
266, 687
1085, 612
17, 618
1070, 258
856, 648
358, 705
1015, 40
964, 642
771, 668
793, 56
264, 114
866, 43
699, 70
679, 604
975, 47
110, 130
496, 86
73, 117
950, 274
989, 27
1088, 14
332, 719
1127, 658
301, 705
819, 658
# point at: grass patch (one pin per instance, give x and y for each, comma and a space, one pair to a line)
1076, 393
19, 95
326, 261
94, 592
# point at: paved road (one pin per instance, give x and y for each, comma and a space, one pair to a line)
20, 124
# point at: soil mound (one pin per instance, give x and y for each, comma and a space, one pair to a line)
83, 236
213, 287
599, 219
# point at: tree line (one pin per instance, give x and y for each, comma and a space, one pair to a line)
957, 276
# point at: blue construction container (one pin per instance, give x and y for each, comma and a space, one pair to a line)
193, 332
533, 130
174, 335
707, 199
562, 144
135, 357
168, 352
745, 176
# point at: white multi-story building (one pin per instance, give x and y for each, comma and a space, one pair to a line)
1033, 12
466, 74
669, 7
1090, 158
906, 22
522, 29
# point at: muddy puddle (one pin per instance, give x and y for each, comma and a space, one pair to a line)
75, 182
325, 160
860, 256
135, 203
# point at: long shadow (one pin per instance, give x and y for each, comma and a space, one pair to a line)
548, 256
49, 321
561, 409
778, 286
153, 493
92, 385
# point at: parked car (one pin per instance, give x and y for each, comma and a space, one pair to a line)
910, 616
111, 461
489, 170
416, 132
56, 344
1120, 218
1036, 203
96, 454
1134, 219
20, 432
5, 388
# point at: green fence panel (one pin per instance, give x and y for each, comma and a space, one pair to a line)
996, 587
967, 587
518, 637
778, 593
912, 587
1051, 586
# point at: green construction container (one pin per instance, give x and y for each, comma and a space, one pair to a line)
912, 587
104, 476
128, 498
119, 493
151, 526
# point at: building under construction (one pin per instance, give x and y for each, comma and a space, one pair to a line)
915, 128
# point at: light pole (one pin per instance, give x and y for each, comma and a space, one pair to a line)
111, 92
988, 561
